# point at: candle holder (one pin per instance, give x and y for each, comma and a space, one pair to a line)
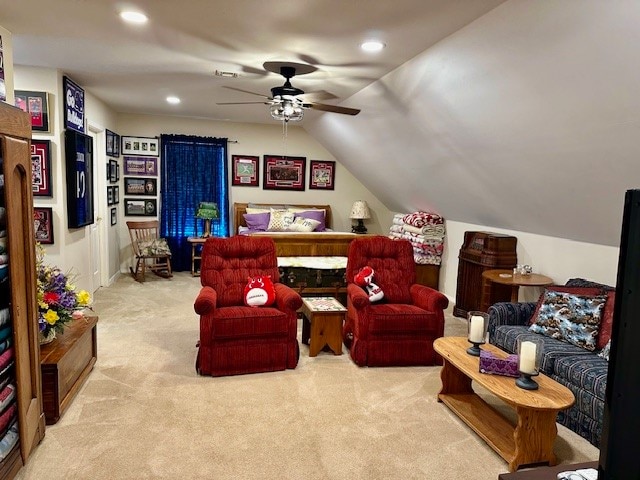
529, 360
477, 325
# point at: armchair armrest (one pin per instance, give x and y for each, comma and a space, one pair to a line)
507, 313
287, 298
427, 298
205, 301
359, 298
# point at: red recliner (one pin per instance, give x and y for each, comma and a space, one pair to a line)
236, 339
400, 329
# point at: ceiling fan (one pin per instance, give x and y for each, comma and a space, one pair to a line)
287, 102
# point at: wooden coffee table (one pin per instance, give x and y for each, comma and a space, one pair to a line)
531, 440
322, 324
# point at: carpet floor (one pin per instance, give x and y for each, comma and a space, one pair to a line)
144, 413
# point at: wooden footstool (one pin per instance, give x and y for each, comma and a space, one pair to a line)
322, 324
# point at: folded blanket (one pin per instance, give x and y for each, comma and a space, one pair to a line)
7, 395
430, 230
9, 440
420, 219
426, 259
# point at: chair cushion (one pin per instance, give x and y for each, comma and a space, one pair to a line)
241, 321
569, 317
157, 246
400, 319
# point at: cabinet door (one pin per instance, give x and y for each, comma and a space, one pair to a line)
21, 244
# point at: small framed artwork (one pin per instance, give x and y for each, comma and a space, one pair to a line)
145, 146
74, 111
141, 166
113, 144
322, 175
113, 173
79, 174
246, 170
283, 173
41, 168
109, 195
35, 104
43, 224
116, 194
140, 186
140, 207
114, 216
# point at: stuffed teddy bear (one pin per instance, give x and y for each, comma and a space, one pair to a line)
364, 279
259, 292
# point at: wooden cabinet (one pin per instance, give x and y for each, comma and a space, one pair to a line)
482, 251
428, 275
18, 289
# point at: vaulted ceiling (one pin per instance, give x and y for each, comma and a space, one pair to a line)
521, 114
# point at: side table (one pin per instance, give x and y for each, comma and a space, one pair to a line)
515, 281
196, 249
65, 364
322, 324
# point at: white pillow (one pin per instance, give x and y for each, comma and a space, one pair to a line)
301, 224
280, 220
257, 210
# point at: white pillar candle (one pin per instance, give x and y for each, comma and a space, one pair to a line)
476, 329
528, 357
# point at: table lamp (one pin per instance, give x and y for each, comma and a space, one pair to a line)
207, 211
359, 211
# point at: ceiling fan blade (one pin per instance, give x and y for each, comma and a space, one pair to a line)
244, 103
246, 91
318, 95
333, 108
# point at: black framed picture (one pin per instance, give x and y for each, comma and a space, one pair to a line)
110, 195
116, 194
140, 186
144, 146
113, 171
114, 216
141, 166
73, 105
79, 169
140, 207
43, 224
246, 170
322, 175
112, 144
35, 104
41, 168
283, 173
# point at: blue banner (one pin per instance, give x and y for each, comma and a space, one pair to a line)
73, 105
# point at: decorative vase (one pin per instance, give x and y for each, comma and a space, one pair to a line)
50, 337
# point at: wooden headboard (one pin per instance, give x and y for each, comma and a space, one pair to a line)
239, 209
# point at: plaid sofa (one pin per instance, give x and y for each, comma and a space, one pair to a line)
581, 371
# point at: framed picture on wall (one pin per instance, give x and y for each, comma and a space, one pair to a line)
35, 104
79, 169
246, 170
322, 175
41, 168
109, 195
114, 216
141, 166
113, 172
145, 146
116, 194
43, 224
140, 186
74, 112
140, 207
112, 144
283, 173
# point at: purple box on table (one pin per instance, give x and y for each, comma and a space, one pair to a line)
508, 366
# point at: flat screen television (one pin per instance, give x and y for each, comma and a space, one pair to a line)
79, 168
619, 452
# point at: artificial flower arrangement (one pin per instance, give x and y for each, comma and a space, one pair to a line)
58, 300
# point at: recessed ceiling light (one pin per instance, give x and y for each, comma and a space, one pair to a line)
372, 46
134, 17
173, 100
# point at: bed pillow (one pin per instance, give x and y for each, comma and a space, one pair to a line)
257, 221
571, 318
280, 220
590, 291
301, 224
317, 215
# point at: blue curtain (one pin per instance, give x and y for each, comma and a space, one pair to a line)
194, 170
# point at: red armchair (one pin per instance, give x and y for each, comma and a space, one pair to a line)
236, 339
400, 329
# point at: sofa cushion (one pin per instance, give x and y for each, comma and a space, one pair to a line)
591, 291
587, 372
404, 319
506, 337
607, 320
570, 317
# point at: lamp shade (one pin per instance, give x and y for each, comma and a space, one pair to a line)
360, 210
207, 210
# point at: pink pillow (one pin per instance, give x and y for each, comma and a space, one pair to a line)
257, 221
314, 215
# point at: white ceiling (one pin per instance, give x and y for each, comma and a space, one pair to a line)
134, 68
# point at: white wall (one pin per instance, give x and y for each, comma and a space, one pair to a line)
557, 258
258, 139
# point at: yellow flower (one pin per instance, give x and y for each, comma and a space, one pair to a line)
51, 317
69, 287
83, 297
43, 305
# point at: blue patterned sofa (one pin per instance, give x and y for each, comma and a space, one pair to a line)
584, 372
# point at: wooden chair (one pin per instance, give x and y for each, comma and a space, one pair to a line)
147, 245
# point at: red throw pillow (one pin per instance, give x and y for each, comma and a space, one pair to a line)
589, 291
259, 292
607, 321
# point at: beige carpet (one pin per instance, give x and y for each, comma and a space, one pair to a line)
144, 413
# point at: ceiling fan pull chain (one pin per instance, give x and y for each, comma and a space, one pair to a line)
284, 138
